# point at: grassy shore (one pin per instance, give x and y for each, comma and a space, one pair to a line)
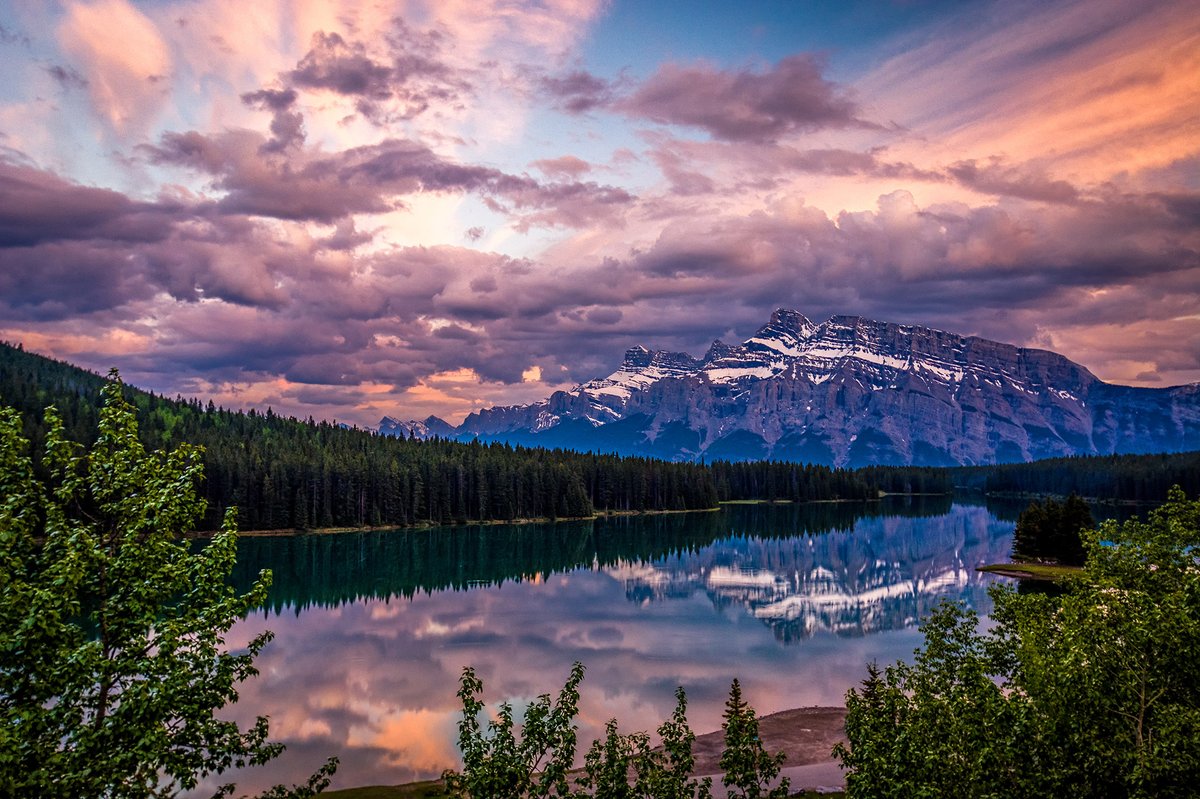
1045, 572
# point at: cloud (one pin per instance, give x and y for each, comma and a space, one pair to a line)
38, 206
287, 125
343, 68
1044, 81
566, 167
577, 92
67, 77
262, 304
995, 177
8, 36
374, 178
745, 105
128, 75
401, 87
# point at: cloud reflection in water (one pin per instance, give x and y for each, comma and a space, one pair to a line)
365, 665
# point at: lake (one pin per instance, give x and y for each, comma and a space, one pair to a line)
372, 629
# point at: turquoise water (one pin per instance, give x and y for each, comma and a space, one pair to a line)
372, 629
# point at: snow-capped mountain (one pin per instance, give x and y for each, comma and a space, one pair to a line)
430, 427
849, 392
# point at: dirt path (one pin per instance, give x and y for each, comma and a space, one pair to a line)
805, 734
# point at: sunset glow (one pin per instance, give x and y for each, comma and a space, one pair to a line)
346, 209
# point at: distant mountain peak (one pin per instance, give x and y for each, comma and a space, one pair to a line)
431, 427
789, 320
849, 391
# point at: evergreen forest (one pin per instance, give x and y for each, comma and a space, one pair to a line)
285, 473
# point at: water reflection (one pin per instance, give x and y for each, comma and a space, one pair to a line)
373, 629
330, 570
884, 575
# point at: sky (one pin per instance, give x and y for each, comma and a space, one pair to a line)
350, 208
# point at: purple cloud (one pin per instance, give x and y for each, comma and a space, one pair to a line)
287, 126
38, 206
577, 92
997, 178
384, 90
746, 106
370, 179
342, 67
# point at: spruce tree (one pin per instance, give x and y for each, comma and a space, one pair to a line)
749, 769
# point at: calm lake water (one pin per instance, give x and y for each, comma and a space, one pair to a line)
373, 629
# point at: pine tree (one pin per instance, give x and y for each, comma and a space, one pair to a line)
749, 769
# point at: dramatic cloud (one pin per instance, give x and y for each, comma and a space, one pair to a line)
287, 126
996, 178
343, 211
792, 96
370, 179
39, 206
402, 88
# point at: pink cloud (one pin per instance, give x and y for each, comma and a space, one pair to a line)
124, 59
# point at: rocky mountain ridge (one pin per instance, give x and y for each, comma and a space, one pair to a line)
848, 392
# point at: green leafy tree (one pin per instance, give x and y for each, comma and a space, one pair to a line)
112, 655
939, 727
1094, 693
748, 769
608, 768
623, 766
666, 772
497, 764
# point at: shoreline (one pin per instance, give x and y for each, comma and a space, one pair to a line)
1040, 572
604, 514
805, 734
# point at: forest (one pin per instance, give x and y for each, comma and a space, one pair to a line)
286, 473
1125, 478
283, 473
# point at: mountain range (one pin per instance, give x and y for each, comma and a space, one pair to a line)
845, 392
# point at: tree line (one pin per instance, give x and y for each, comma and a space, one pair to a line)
330, 570
1132, 478
286, 473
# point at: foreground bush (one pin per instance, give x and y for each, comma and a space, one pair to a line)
500, 764
112, 652
1095, 693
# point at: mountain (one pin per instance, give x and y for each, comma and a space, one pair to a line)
430, 427
851, 392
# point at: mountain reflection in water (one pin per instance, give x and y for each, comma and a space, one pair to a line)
372, 629
886, 574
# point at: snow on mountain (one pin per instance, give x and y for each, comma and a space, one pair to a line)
850, 391
430, 427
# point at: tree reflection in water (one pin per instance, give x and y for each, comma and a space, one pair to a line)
373, 628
